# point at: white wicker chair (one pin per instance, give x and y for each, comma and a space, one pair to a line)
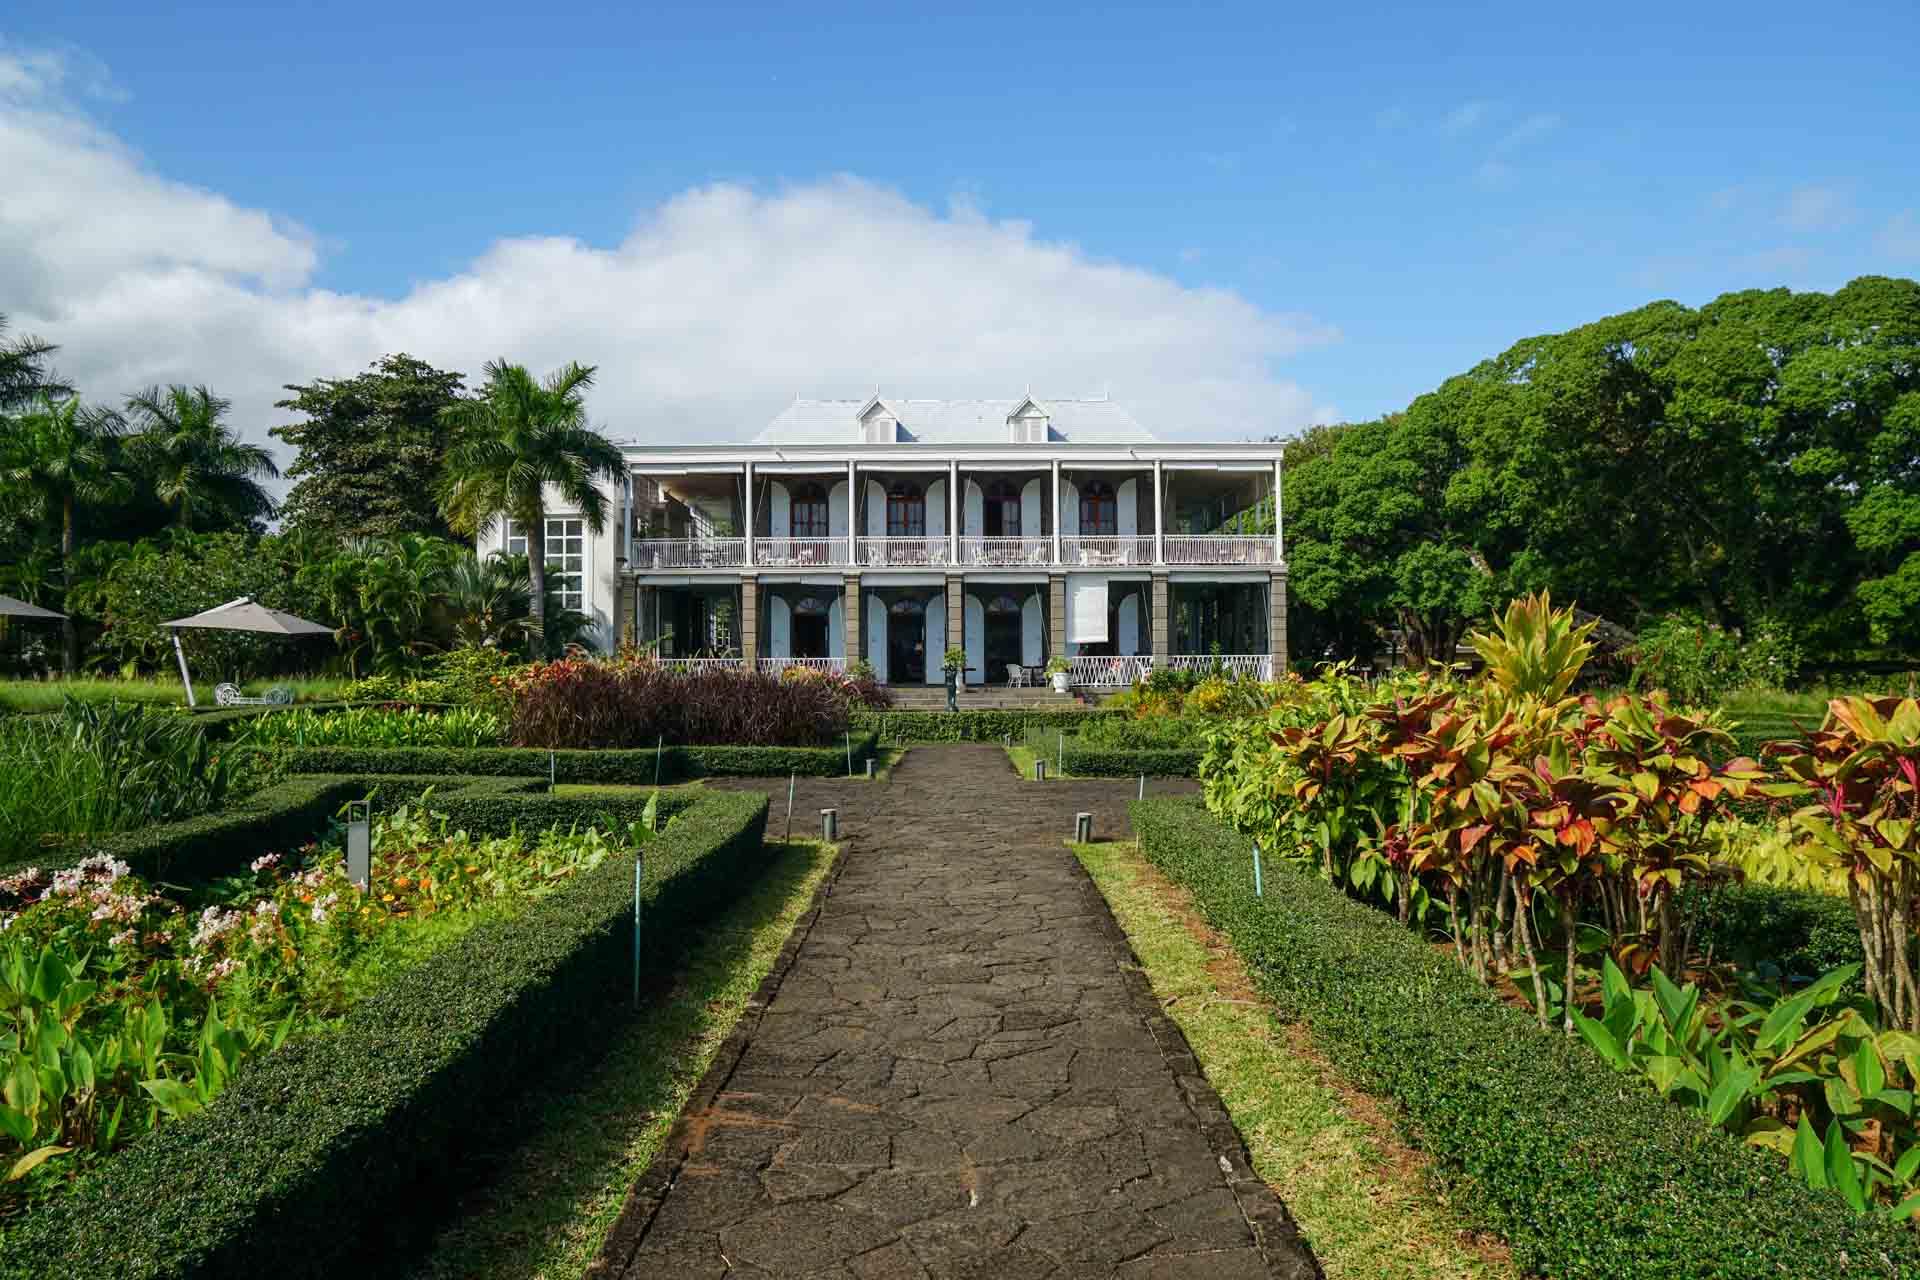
1016, 676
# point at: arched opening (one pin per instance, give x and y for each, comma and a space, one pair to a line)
1001, 518
907, 641
1002, 637
810, 511
810, 627
1099, 512
906, 510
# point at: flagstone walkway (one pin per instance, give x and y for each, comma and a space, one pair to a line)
956, 1070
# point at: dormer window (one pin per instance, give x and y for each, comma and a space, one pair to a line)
1029, 424
879, 424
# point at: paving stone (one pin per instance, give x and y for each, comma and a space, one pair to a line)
958, 1075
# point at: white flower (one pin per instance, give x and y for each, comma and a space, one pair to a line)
323, 906
125, 938
265, 861
214, 925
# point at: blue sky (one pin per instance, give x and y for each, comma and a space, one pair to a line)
1402, 190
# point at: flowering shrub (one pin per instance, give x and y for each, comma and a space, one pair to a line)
858, 687
632, 701
121, 1006
470, 677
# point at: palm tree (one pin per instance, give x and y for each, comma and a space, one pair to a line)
59, 455
23, 369
512, 444
488, 601
198, 465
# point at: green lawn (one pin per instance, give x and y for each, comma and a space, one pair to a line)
1328, 1150
593, 1130
47, 695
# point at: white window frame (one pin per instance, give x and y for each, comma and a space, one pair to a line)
561, 530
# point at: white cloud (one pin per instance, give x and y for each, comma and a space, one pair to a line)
1531, 129
717, 308
1467, 115
1817, 208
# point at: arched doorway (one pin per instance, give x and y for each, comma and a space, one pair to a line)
1003, 636
1001, 515
810, 627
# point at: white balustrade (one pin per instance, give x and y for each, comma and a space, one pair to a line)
689, 553
1243, 666
774, 666
1108, 673
786, 553
1006, 552
1217, 548
701, 664
1102, 550
920, 552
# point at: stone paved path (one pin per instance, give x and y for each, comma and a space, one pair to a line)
956, 1071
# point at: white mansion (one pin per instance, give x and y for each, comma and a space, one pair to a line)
894, 530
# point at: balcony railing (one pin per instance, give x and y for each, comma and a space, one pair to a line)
791, 553
1245, 666
690, 553
702, 664
1207, 550
774, 666
1108, 673
1101, 550
1217, 548
918, 552
1006, 553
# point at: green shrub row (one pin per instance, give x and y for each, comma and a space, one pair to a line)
607, 764
1122, 762
1585, 1173
331, 1153
1798, 931
900, 727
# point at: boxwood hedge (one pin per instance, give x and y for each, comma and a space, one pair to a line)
320, 1157
1130, 762
1585, 1172
898, 727
633, 767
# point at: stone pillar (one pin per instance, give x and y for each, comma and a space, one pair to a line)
1162, 621
626, 612
1056, 615
1277, 625
750, 620
850, 604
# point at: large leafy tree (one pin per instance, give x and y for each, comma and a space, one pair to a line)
370, 448
59, 455
196, 464
519, 440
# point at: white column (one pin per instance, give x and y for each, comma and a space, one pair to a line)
747, 522
1159, 517
1279, 544
953, 511
856, 512
1056, 510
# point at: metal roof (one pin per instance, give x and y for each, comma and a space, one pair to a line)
1099, 421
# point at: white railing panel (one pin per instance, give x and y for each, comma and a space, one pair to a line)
918, 553
790, 553
1108, 673
1106, 551
1217, 549
1245, 666
1006, 553
774, 666
701, 664
689, 553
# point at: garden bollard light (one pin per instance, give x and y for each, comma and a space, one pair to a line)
1060, 756
1143, 786
1039, 770
1258, 889
869, 768
553, 771
1083, 828
360, 842
830, 825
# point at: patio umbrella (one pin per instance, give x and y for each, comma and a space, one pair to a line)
244, 614
11, 608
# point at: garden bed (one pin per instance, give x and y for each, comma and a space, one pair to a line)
324, 1153
1583, 1171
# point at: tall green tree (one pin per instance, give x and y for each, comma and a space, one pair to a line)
520, 438
370, 448
198, 466
59, 455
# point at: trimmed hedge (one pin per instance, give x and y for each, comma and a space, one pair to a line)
1585, 1172
320, 1158
606, 764
1802, 932
1122, 762
901, 727
281, 817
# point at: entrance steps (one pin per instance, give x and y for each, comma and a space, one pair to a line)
982, 698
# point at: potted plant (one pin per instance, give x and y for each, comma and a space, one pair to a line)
1057, 668
954, 663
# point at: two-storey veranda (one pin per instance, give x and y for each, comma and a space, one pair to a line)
894, 530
